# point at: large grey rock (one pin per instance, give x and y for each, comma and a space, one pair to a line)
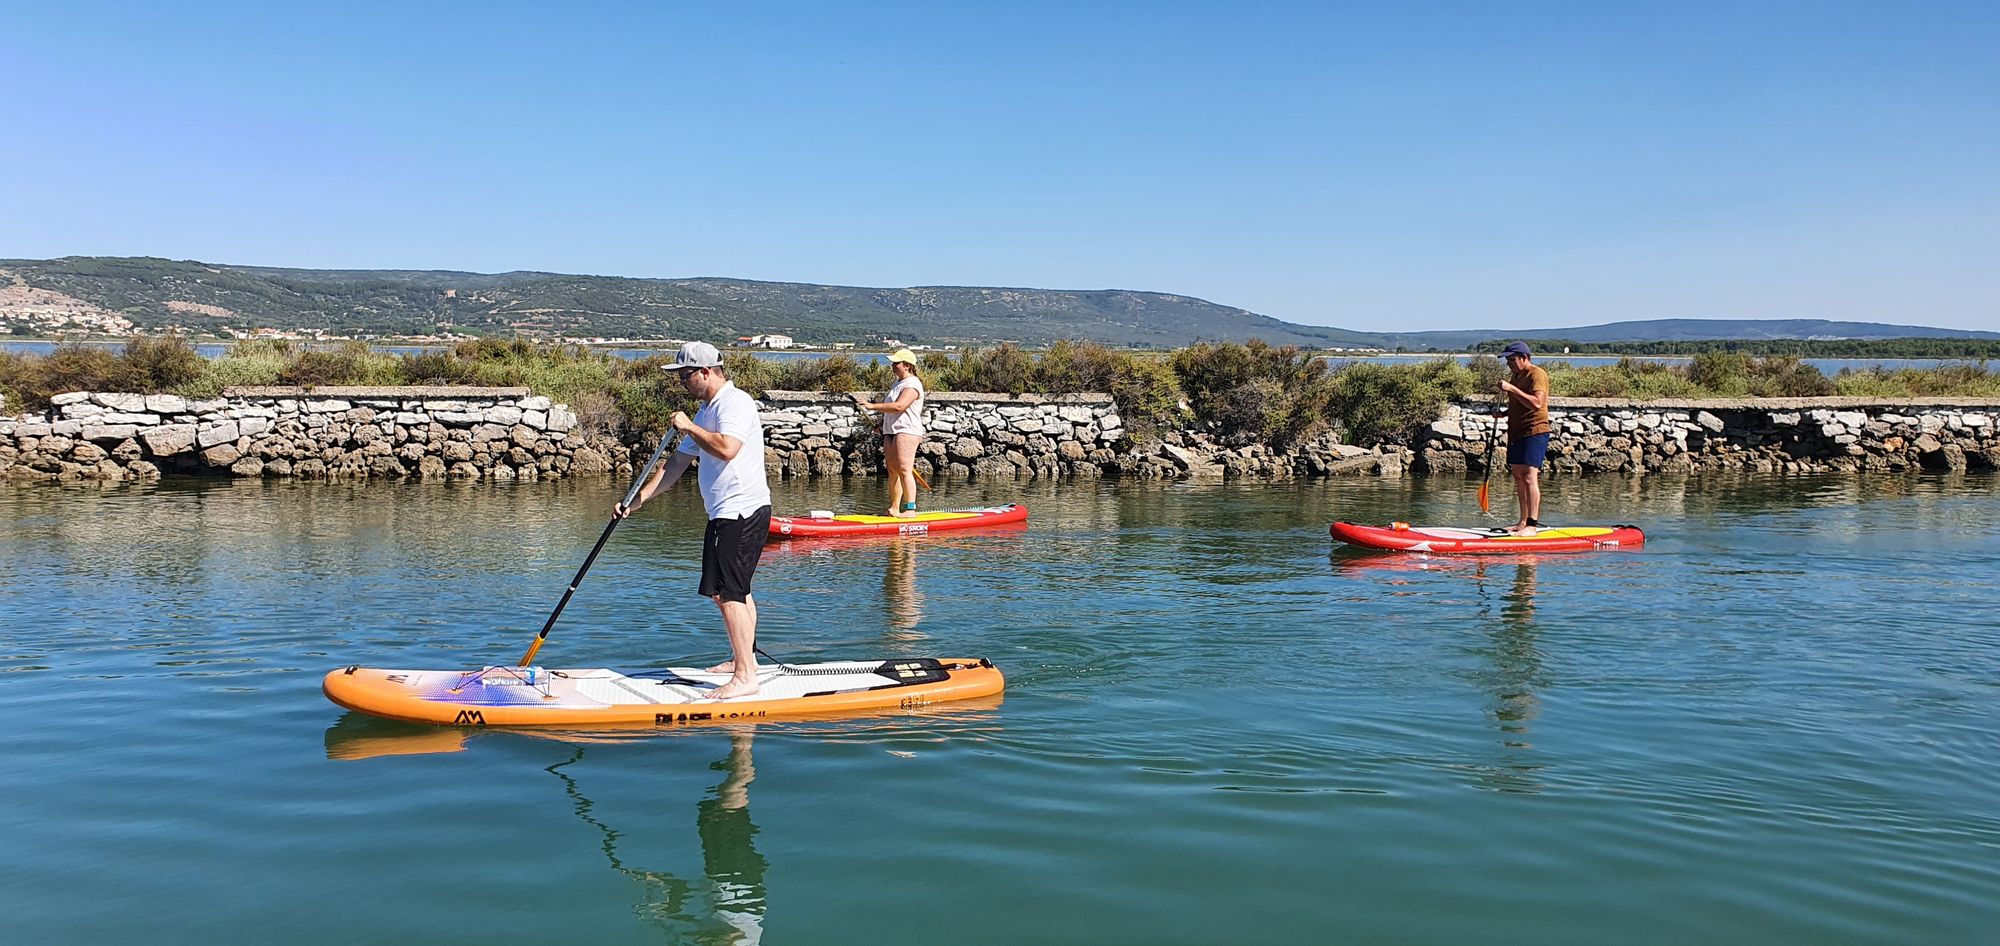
166, 404
70, 397
588, 461
128, 403
221, 432
111, 432
170, 439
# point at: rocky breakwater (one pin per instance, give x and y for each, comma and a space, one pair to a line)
814, 433
332, 432
811, 433
1792, 435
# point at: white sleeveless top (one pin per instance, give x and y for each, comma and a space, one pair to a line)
912, 420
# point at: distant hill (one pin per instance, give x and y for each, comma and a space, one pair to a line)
1675, 330
158, 294
113, 295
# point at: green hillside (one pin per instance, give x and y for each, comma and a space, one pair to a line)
158, 294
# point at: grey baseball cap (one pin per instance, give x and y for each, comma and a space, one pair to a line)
695, 355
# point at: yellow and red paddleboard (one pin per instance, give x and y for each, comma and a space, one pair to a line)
536, 696
828, 525
1407, 538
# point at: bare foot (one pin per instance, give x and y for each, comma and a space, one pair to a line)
727, 666
1527, 530
732, 690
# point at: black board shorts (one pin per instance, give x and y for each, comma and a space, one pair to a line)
729, 554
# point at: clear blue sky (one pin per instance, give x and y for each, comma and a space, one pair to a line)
1380, 165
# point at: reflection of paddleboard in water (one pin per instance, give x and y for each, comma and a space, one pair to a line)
535, 696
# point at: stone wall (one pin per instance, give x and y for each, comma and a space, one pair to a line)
509, 434
1760, 434
813, 433
431, 433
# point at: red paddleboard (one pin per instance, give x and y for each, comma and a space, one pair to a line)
827, 525
1407, 538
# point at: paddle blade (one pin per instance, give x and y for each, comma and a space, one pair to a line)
1485, 498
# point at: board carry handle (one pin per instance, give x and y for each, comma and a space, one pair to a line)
666, 442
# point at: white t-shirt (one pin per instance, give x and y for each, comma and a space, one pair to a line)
912, 420
731, 489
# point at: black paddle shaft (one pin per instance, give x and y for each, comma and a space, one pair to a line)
609, 528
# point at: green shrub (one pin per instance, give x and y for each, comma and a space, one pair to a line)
1385, 403
68, 368
1223, 381
1787, 376
1953, 380
435, 367
1148, 394
1076, 368
1720, 373
160, 364
1006, 368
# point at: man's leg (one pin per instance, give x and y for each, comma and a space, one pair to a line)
740, 618
750, 602
1531, 499
1520, 476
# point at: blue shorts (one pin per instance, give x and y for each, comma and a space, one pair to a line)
1528, 451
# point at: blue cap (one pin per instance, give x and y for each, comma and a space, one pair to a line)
1515, 348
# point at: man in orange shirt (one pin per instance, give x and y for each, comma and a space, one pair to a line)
1527, 393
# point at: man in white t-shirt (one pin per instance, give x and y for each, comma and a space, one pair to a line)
726, 436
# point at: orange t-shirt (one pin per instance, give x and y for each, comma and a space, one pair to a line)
1522, 420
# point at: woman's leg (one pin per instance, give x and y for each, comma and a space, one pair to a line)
892, 458
906, 461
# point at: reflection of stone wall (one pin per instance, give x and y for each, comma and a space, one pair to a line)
430, 433
1763, 434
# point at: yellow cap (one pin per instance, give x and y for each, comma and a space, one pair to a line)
903, 355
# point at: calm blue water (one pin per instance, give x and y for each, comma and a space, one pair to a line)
1778, 723
1828, 366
